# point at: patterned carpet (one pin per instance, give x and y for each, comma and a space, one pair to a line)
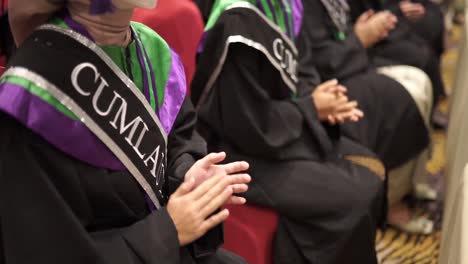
396, 247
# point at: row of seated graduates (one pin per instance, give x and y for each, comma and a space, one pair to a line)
181, 25
249, 230
409, 44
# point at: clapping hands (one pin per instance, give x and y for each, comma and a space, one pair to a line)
207, 187
333, 105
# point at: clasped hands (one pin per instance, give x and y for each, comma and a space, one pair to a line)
372, 27
208, 186
333, 105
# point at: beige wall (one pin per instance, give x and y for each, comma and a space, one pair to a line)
455, 229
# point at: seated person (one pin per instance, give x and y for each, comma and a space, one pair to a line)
426, 20
397, 106
328, 191
416, 39
98, 156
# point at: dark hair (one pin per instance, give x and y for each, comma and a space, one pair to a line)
205, 7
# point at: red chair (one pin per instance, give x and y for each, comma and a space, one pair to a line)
249, 232
180, 24
2, 64
4, 6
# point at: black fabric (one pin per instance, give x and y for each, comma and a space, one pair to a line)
339, 13
276, 46
205, 7
392, 127
329, 207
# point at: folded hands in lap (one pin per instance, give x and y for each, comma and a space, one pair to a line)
373, 27
333, 105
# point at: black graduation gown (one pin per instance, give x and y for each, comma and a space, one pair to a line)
56, 209
419, 44
392, 127
329, 207
430, 27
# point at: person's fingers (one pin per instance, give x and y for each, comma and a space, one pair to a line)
326, 85
234, 167
342, 89
347, 107
214, 220
339, 119
215, 203
236, 200
422, 9
207, 186
365, 16
332, 89
219, 190
331, 120
341, 100
384, 35
353, 115
358, 112
241, 178
185, 188
211, 159
239, 188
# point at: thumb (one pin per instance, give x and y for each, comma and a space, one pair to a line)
185, 187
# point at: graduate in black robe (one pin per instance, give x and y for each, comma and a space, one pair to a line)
423, 17
65, 197
55, 208
416, 40
393, 126
328, 191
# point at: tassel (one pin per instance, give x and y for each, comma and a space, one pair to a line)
99, 7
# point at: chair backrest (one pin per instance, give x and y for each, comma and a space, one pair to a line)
4, 6
180, 23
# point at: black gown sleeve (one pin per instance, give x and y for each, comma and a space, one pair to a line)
47, 209
334, 58
309, 77
185, 145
